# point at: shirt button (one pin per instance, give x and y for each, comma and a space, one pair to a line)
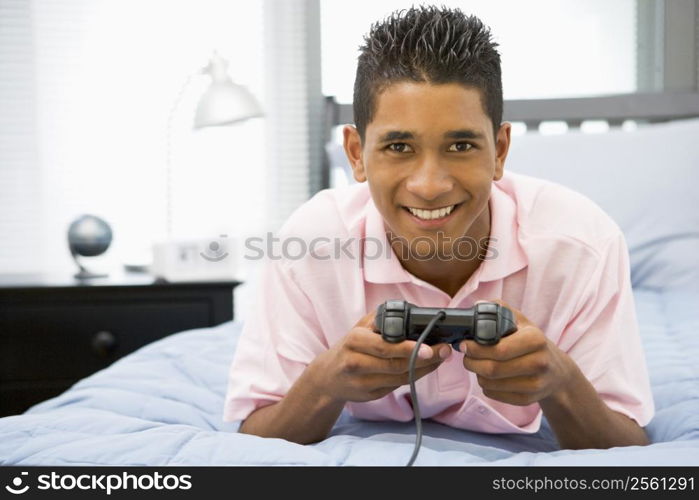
483, 410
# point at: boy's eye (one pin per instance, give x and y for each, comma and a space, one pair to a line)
460, 147
457, 147
398, 147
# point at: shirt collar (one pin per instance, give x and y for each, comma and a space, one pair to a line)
505, 255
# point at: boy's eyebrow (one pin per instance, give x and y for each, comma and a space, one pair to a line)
396, 135
463, 134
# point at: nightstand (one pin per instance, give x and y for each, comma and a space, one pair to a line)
56, 330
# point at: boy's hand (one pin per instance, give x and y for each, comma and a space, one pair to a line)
522, 368
363, 367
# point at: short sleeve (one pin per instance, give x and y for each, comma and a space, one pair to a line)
278, 340
603, 337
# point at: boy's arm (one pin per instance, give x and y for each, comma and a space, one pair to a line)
580, 419
526, 368
361, 367
286, 382
303, 416
591, 382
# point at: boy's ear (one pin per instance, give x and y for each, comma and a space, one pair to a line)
502, 146
353, 149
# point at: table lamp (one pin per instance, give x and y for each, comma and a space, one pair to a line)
223, 103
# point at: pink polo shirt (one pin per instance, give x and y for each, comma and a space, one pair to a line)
560, 260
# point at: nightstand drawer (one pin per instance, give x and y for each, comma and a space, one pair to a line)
65, 341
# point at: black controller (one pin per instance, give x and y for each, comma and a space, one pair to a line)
486, 323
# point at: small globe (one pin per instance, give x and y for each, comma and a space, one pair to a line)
89, 236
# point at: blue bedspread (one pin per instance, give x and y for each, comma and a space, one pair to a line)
162, 406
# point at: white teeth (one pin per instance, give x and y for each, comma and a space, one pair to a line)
431, 214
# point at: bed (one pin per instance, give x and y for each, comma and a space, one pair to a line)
162, 405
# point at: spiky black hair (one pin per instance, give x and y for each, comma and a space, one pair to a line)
432, 45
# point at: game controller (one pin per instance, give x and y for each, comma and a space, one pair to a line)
486, 323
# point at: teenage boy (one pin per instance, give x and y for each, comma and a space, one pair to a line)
428, 150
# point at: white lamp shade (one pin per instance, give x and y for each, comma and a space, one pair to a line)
225, 103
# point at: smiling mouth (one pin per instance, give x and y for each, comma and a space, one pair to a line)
431, 214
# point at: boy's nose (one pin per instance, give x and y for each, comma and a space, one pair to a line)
430, 181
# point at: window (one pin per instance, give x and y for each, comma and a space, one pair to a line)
549, 48
89, 85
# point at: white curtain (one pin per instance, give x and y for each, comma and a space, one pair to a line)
293, 69
20, 173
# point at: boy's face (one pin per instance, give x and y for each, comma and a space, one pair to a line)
430, 147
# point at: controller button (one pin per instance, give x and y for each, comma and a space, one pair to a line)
487, 308
487, 330
393, 329
395, 305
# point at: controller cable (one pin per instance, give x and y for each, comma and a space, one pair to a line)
441, 314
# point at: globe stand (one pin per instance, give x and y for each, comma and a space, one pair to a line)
84, 274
